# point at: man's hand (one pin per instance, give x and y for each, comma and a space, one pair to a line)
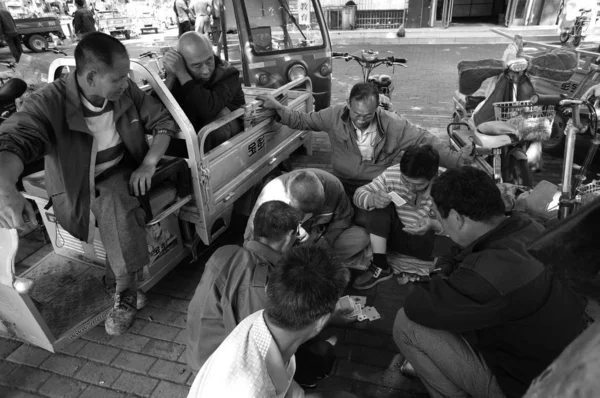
15, 210
466, 155
425, 225
141, 179
175, 64
269, 102
379, 200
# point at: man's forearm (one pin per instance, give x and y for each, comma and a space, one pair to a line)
11, 167
158, 149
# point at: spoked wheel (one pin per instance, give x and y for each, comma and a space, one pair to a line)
517, 172
564, 37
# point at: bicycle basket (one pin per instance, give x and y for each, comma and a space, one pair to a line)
591, 188
534, 122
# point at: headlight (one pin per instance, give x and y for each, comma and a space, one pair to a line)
518, 65
263, 79
325, 69
295, 72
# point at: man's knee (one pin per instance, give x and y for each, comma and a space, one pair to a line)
403, 329
352, 241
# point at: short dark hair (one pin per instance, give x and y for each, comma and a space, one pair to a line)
470, 192
274, 219
420, 162
304, 286
307, 191
80, 3
98, 50
363, 92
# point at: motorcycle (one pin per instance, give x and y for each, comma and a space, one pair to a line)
505, 129
368, 61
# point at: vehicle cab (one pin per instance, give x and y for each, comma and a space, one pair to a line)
274, 42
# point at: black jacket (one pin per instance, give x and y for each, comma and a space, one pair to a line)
505, 303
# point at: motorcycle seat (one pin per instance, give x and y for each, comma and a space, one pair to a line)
585, 10
495, 134
469, 102
381, 80
12, 90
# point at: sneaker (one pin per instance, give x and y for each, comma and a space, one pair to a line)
141, 296
372, 276
123, 313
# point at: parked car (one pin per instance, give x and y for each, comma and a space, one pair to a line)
114, 23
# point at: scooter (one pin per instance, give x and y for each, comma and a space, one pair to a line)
369, 60
504, 127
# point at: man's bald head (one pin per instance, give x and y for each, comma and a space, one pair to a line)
306, 191
197, 52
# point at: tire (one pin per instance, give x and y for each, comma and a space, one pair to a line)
555, 145
576, 40
517, 172
564, 37
127, 35
155, 30
37, 43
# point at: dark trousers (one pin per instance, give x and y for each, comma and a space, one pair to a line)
14, 44
386, 224
314, 361
184, 26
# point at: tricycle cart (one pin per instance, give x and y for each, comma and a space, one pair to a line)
192, 198
35, 32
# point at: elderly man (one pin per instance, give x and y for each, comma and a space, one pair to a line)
91, 127
499, 317
205, 86
365, 139
327, 212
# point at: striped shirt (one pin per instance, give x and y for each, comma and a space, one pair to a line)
101, 122
415, 208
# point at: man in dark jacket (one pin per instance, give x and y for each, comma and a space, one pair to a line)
499, 318
83, 19
91, 128
8, 30
205, 86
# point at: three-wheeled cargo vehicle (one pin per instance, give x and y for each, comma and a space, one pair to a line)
35, 32
276, 41
192, 198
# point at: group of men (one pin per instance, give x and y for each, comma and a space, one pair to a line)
480, 327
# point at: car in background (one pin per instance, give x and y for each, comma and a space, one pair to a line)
149, 22
114, 23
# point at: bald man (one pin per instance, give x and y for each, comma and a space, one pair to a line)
91, 128
205, 86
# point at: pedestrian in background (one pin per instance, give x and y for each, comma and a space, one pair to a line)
202, 9
83, 19
9, 33
185, 16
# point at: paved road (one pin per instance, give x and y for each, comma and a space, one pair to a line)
148, 362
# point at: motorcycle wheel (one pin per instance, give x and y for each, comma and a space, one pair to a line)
564, 37
555, 145
576, 40
517, 172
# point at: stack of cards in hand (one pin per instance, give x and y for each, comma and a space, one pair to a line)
355, 306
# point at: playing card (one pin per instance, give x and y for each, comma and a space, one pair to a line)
362, 317
345, 304
398, 201
362, 300
371, 313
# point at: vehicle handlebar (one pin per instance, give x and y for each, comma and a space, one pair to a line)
546, 99
334, 54
148, 54
398, 60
